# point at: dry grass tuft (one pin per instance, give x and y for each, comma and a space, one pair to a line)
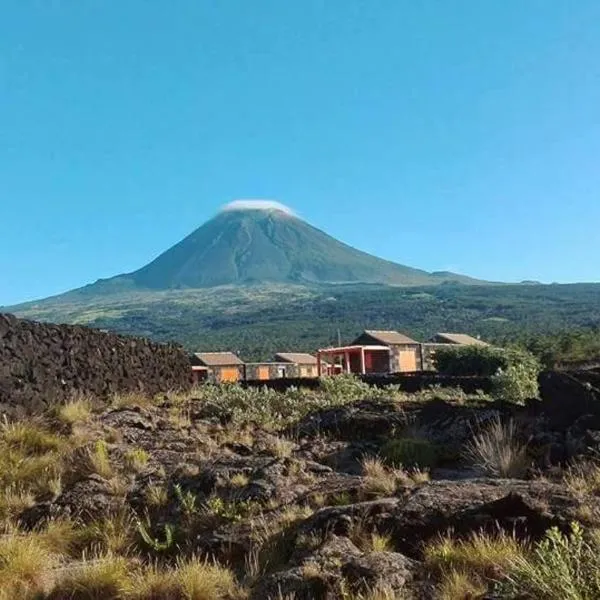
157, 495
457, 585
115, 534
498, 451
131, 400
75, 412
137, 459
583, 478
381, 543
25, 566
189, 580
98, 460
29, 438
380, 479
104, 577
239, 480
482, 555
280, 447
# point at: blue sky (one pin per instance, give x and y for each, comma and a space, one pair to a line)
461, 135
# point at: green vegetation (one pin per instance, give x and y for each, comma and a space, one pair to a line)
514, 372
274, 409
555, 322
561, 567
409, 453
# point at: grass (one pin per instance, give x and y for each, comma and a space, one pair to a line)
98, 460
114, 534
29, 438
498, 451
157, 495
381, 543
380, 480
105, 577
137, 459
31, 462
280, 447
583, 478
481, 554
75, 411
191, 579
458, 585
239, 480
409, 453
25, 566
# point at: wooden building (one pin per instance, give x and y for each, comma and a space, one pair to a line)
217, 367
404, 355
305, 364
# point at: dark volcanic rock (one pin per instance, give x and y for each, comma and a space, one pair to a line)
527, 508
43, 364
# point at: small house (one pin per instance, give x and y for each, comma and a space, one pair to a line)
300, 363
461, 339
270, 370
404, 352
218, 367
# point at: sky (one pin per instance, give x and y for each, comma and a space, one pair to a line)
441, 134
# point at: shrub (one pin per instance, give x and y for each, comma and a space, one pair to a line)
516, 383
561, 567
409, 453
514, 372
498, 451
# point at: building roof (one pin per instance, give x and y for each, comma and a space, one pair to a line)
353, 348
299, 358
460, 338
389, 337
218, 359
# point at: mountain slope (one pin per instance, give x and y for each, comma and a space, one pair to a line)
258, 245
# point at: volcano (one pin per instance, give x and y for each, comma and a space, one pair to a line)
251, 242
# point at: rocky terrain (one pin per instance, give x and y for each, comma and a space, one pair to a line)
347, 492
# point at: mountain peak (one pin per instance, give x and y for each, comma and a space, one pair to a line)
257, 204
262, 241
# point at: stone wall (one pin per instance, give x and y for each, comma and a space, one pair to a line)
41, 364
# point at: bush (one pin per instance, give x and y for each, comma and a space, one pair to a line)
514, 372
409, 453
516, 383
561, 567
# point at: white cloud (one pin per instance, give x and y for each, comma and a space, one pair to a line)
257, 205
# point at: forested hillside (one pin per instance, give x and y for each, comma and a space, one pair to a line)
260, 320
